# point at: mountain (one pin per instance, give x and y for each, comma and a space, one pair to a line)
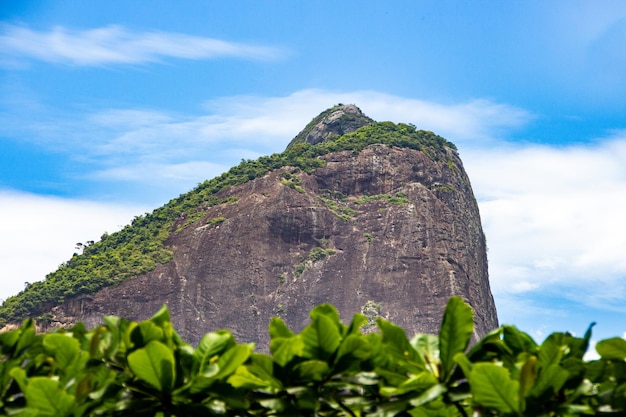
373, 217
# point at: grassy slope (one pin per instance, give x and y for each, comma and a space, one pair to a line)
138, 248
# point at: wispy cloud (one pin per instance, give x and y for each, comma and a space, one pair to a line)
117, 45
554, 219
120, 143
39, 233
474, 120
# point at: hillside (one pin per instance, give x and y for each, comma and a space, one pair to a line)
380, 219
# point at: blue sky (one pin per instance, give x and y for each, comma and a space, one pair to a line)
110, 109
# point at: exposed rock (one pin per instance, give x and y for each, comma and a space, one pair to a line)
336, 121
386, 231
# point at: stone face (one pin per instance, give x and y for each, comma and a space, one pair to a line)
336, 121
295, 240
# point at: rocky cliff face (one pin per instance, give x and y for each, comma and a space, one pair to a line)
334, 122
386, 231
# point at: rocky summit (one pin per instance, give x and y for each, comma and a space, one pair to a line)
375, 218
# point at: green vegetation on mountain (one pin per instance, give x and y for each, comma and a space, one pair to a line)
398, 199
123, 368
139, 247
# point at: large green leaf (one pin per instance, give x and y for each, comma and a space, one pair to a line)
257, 373
284, 349
551, 378
493, 387
489, 347
154, 364
326, 310
232, 359
163, 320
614, 348
161, 317
64, 348
210, 347
45, 396
145, 332
243, 378
358, 320
278, 328
552, 349
312, 370
8, 340
427, 346
417, 383
528, 375
456, 331
321, 337
27, 336
518, 341
355, 345
464, 363
433, 393
396, 348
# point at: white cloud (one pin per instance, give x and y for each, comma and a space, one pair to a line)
39, 233
121, 144
475, 120
554, 219
186, 172
118, 45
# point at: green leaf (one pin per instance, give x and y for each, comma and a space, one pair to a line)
257, 373
528, 375
326, 310
358, 320
20, 377
232, 359
261, 364
278, 328
45, 395
210, 347
312, 370
144, 333
415, 383
427, 346
244, 378
518, 341
456, 331
161, 317
553, 377
8, 340
489, 347
464, 363
493, 387
433, 393
613, 349
27, 336
432, 409
154, 364
396, 348
64, 348
552, 349
321, 337
355, 345
284, 349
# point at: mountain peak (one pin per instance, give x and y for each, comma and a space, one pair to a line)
335, 121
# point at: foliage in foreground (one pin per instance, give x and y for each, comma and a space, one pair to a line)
139, 247
125, 368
